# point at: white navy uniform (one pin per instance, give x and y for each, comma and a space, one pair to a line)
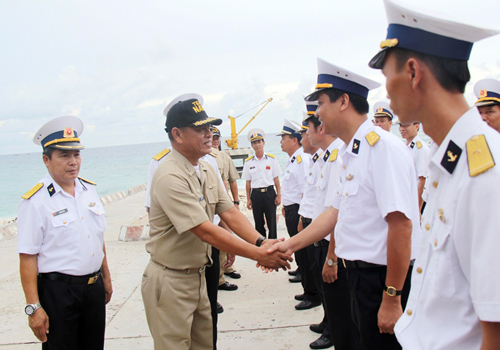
456, 280
309, 196
153, 165
420, 154
294, 178
261, 173
66, 232
328, 178
376, 180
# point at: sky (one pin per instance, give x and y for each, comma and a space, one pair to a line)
117, 64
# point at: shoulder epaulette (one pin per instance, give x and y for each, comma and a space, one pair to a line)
162, 154
299, 159
246, 160
87, 181
419, 144
271, 155
372, 137
479, 155
213, 154
333, 155
31, 192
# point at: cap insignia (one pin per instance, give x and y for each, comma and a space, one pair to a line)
389, 43
479, 155
68, 132
380, 110
483, 93
197, 106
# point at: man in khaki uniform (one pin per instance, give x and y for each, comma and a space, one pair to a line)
185, 195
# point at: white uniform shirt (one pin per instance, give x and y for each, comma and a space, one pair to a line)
294, 178
420, 154
261, 173
456, 276
65, 231
309, 195
153, 165
376, 180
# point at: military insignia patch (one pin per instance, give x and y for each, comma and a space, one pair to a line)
412, 144
333, 156
68, 132
31, 192
162, 154
419, 144
293, 159
327, 154
451, 157
51, 190
380, 110
268, 167
299, 159
483, 93
246, 160
372, 137
355, 146
315, 158
479, 155
87, 181
271, 155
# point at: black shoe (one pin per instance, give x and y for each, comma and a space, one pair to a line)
220, 309
317, 328
321, 343
299, 297
233, 274
228, 286
306, 305
296, 279
293, 272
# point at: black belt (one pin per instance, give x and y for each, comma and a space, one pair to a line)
358, 264
305, 220
291, 207
263, 189
61, 277
322, 243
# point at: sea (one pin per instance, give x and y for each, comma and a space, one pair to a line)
113, 169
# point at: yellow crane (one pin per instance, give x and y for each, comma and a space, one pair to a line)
233, 142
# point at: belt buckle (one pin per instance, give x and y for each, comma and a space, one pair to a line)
263, 190
92, 280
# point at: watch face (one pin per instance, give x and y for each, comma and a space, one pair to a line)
391, 291
29, 310
329, 262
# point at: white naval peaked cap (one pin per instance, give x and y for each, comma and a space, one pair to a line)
292, 128
305, 117
60, 132
183, 97
487, 91
256, 134
382, 109
331, 76
311, 106
411, 29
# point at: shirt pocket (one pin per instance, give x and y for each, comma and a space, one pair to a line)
442, 249
97, 222
212, 195
351, 208
287, 175
252, 170
64, 229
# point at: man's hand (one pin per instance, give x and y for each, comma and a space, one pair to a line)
277, 200
330, 273
39, 324
389, 313
108, 287
230, 260
273, 260
249, 204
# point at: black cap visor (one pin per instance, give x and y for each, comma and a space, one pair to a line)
377, 62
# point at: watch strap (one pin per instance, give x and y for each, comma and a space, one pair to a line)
392, 291
259, 241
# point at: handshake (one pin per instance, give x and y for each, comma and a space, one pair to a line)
274, 254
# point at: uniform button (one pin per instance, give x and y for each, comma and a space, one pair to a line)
347, 193
435, 184
344, 166
82, 217
92, 254
98, 213
427, 227
89, 236
419, 270
64, 222
435, 243
409, 312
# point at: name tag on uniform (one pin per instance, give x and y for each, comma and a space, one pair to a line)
62, 211
201, 198
252, 167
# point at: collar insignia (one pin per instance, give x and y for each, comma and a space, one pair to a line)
451, 157
355, 146
327, 154
412, 144
51, 190
315, 158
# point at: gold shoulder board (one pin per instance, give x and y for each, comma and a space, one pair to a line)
246, 160
299, 159
162, 154
372, 138
271, 155
479, 155
333, 155
213, 154
31, 192
419, 144
87, 181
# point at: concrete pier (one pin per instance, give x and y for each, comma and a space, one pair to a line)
259, 315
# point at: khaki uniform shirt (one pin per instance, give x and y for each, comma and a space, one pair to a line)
180, 201
226, 166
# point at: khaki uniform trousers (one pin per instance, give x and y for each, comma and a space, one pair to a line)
177, 308
223, 270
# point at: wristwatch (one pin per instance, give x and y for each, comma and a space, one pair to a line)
259, 241
237, 202
30, 309
331, 263
392, 292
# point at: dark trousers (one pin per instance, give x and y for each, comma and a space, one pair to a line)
212, 278
77, 314
367, 288
337, 305
263, 204
307, 271
292, 221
